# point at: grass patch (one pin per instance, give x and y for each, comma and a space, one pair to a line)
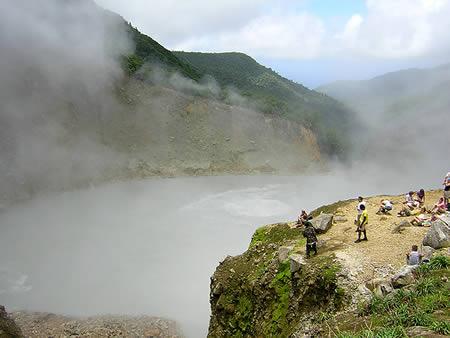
417, 306
282, 285
330, 208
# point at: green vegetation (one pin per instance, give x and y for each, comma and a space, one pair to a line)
274, 234
276, 95
330, 208
282, 286
425, 304
256, 295
149, 51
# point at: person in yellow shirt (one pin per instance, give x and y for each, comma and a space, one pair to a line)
362, 223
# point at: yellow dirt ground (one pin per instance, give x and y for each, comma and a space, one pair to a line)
384, 251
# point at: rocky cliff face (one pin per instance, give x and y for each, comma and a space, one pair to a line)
8, 328
265, 293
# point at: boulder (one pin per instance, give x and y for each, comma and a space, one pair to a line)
404, 277
380, 286
322, 223
297, 262
283, 253
438, 236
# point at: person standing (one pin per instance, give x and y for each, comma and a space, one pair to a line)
446, 185
311, 239
361, 202
362, 224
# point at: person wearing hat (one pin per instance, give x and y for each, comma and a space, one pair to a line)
311, 238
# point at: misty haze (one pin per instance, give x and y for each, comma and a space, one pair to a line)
137, 176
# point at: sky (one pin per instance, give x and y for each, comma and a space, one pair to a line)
309, 41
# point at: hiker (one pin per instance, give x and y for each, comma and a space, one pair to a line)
385, 207
303, 218
414, 257
410, 201
440, 207
361, 202
311, 239
362, 223
446, 185
420, 197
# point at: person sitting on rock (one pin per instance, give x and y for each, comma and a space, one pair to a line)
311, 238
303, 218
385, 207
420, 197
362, 223
414, 257
440, 207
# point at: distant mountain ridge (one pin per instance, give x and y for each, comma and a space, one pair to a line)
388, 89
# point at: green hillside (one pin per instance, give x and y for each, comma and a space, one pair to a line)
279, 96
148, 50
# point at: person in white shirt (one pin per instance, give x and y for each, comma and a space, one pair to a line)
410, 201
414, 257
358, 208
385, 207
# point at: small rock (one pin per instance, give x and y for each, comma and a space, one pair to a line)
399, 227
421, 331
283, 253
296, 262
340, 219
380, 286
232, 271
404, 277
427, 252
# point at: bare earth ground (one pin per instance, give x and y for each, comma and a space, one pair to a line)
51, 325
385, 251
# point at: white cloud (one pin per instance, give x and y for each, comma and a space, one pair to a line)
280, 36
390, 29
398, 29
174, 21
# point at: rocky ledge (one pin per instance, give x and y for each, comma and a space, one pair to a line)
271, 290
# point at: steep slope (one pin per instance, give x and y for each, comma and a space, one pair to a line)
278, 96
149, 51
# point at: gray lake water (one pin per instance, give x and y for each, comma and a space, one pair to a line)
150, 247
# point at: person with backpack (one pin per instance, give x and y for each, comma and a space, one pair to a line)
311, 238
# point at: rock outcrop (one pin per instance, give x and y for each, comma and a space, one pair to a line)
8, 328
256, 295
439, 234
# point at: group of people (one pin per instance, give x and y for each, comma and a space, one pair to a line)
414, 204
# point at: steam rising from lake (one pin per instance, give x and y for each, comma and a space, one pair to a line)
150, 247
